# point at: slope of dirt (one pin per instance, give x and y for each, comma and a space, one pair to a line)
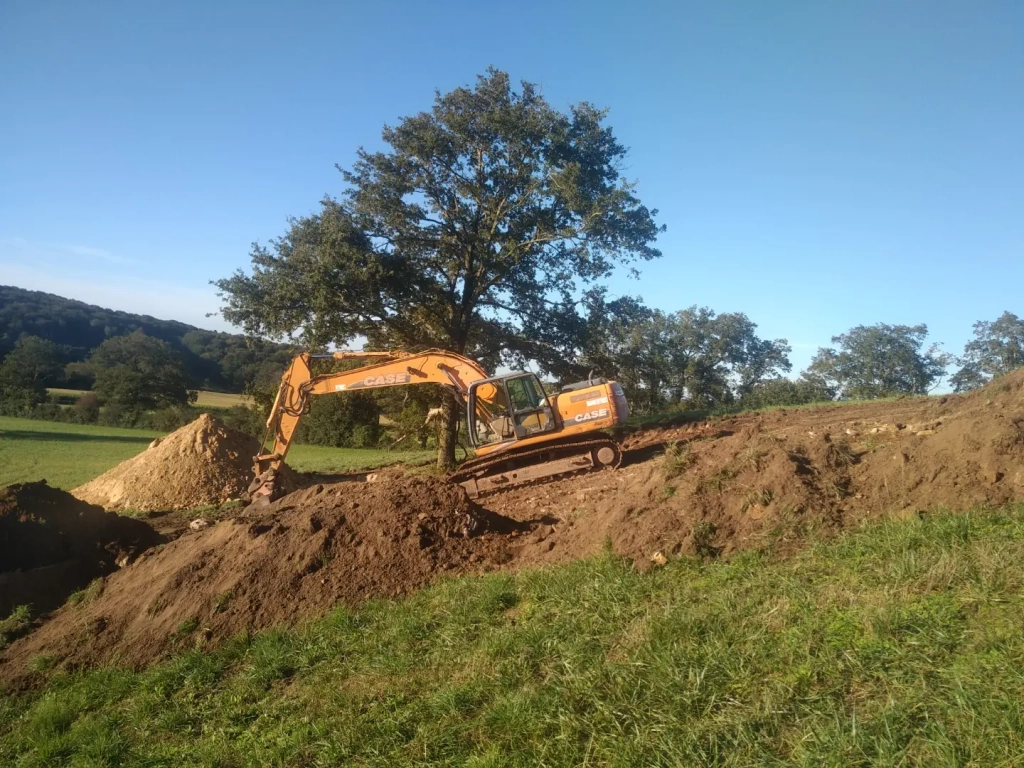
202, 463
295, 559
52, 544
753, 480
774, 477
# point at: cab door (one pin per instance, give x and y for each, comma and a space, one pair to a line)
531, 411
508, 408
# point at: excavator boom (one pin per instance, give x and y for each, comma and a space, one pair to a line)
396, 369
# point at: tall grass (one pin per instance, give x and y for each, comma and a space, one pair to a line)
898, 644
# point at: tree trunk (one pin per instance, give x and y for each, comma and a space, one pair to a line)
449, 431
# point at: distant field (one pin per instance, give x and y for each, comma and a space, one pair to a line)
206, 399
220, 399
67, 455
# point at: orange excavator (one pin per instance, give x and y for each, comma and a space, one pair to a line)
519, 432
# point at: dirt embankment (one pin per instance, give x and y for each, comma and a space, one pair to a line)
203, 463
774, 477
52, 544
713, 488
299, 557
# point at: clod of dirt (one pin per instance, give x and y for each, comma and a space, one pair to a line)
52, 544
202, 463
295, 559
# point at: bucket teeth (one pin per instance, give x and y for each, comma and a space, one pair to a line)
264, 488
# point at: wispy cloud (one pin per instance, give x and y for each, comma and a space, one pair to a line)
89, 252
35, 249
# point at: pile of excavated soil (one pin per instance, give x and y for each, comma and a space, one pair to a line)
202, 463
773, 478
754, 480
52, 544
295, 559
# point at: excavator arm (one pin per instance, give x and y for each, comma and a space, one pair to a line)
395, 369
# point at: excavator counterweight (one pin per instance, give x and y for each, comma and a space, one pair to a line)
519, 432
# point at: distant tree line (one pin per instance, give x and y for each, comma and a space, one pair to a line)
691, 359
211, 360
696, 359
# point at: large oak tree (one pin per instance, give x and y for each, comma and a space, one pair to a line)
482, 218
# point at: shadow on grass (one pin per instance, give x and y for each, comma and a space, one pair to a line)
70, 437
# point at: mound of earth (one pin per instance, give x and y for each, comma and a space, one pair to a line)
296, 559
52, 544
205, 462
753, 480
775, 477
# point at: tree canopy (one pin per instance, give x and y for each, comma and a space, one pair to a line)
483, 217
996, 349
138, 372
879, 361
693, 358
26, 372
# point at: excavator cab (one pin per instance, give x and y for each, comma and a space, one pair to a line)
506, 408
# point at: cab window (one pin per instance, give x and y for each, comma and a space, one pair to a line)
525, 393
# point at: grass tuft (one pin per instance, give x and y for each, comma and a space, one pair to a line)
15, 625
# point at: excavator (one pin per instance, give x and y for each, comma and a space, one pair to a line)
519, 432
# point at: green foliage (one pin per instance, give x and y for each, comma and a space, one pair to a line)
90, 592
693, 358
139, 373
25, 373
244, 419
786, 392
221, 361
168, 418
350, 420
86, 409
996, 349
15, 625
406, 409
677, 459
475, 224
878, 361
703, 539
896, 644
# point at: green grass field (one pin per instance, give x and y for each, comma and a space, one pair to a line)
67, 455
206, 399
898, 644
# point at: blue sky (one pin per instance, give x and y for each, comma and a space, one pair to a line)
818, 165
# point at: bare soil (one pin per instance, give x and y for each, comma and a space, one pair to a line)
766, 480
772, 478
202, 463
52, 544
300, 556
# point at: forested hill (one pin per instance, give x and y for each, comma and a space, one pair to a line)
214, 360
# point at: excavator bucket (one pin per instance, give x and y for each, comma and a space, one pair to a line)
263, 489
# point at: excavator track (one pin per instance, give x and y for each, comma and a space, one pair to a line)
508, 470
